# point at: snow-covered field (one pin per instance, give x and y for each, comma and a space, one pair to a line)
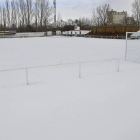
58, 105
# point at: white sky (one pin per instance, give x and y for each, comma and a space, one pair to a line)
79, 8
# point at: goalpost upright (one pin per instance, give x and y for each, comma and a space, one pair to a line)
126, 42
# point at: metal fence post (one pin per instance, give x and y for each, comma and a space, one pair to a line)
118, 65
126, 46
79, 70
27, 76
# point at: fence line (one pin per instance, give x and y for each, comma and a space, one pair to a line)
79, 63
67, 64
60, 64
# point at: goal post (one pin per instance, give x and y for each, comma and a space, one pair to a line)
127, 33
132, 49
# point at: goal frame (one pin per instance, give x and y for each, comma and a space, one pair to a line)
126, 43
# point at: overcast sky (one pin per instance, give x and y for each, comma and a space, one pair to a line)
79, 8
83, 8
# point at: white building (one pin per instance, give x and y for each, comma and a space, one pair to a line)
58, 32
76, 32
49, 33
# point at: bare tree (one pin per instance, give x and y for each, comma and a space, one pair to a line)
22, 12
102, 13
17, 12
105, 9
47, 14
84, 22
14, 14
70, 22
7, 10
136, 11
4, 18
94, 18
99, 14
0, 16
36, 13
25, 14
29, 11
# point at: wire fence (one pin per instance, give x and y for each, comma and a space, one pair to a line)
80, 65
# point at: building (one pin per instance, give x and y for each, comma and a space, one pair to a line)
130, 21
117, 18
76, 32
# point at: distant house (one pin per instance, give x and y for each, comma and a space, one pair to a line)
116, 18
119, 18
76, 32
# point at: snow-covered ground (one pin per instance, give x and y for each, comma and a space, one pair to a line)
58, 105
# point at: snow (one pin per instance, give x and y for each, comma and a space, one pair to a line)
49, 51
58, 105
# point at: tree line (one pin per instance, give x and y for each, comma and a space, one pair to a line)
136, 11
25, 15
37, 15
99, 17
